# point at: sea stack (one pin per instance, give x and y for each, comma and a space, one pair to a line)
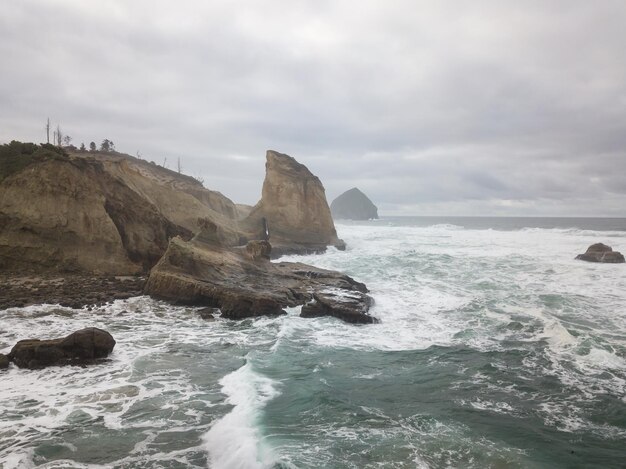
353, 205
293, 213
600, 252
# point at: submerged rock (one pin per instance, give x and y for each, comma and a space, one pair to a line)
203, 274
4, 361
600, 252
208, 314
293, 212
353, 205
80, 347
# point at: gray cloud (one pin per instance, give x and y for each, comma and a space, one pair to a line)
451, 107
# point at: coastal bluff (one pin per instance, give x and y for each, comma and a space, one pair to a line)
66, 216
100, 213
353, 205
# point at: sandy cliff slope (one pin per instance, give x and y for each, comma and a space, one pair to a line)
101, 213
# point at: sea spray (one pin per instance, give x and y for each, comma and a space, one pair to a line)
235, 441
495, 349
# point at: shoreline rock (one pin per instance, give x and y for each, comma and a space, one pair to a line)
600, 252
72, 291
202, 274
82, 347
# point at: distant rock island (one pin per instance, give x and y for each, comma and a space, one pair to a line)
353, 205
600, 252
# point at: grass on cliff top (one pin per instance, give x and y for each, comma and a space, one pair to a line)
16, 156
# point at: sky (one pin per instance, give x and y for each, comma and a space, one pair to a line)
441, 107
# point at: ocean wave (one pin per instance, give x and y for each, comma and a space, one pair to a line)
234, 441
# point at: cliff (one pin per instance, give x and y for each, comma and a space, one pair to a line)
293, 211
104, 213
353, 205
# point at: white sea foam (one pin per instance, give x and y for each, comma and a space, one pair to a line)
234, 440
483, 290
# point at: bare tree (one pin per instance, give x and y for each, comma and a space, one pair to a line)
178, 166
82, 148
67, 140
48, 131
59, 134
165, 162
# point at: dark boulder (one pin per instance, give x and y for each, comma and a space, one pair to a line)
601, 253
4, 361
80, 347
351, 306
353, 205
250, 305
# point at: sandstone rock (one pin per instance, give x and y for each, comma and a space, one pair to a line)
4, 361
202, 274
353, 205
294, 209
601, 253
80, 347
258, 250
101, 214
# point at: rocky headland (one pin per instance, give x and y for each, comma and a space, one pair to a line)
86, 228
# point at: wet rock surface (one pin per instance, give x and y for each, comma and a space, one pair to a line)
4, 361
600, 252
197, 273
79, 348
73, 291
351, 306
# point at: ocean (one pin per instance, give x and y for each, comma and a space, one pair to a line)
495, 349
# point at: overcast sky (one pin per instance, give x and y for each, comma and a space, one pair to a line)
429, 107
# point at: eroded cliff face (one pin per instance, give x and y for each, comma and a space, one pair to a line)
104, 214
293, 209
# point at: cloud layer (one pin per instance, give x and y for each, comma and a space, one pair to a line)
435, 108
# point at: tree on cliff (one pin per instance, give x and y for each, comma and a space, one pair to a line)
92, 146
82, 148
107, 145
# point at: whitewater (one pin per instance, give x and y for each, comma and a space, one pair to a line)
495, 348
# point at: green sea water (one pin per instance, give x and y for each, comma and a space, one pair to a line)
495, 349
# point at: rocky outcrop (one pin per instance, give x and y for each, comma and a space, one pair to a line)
348, 306
79, 348
293, 212
244, 284
353, 205
4, 361
101, 214
601, 253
